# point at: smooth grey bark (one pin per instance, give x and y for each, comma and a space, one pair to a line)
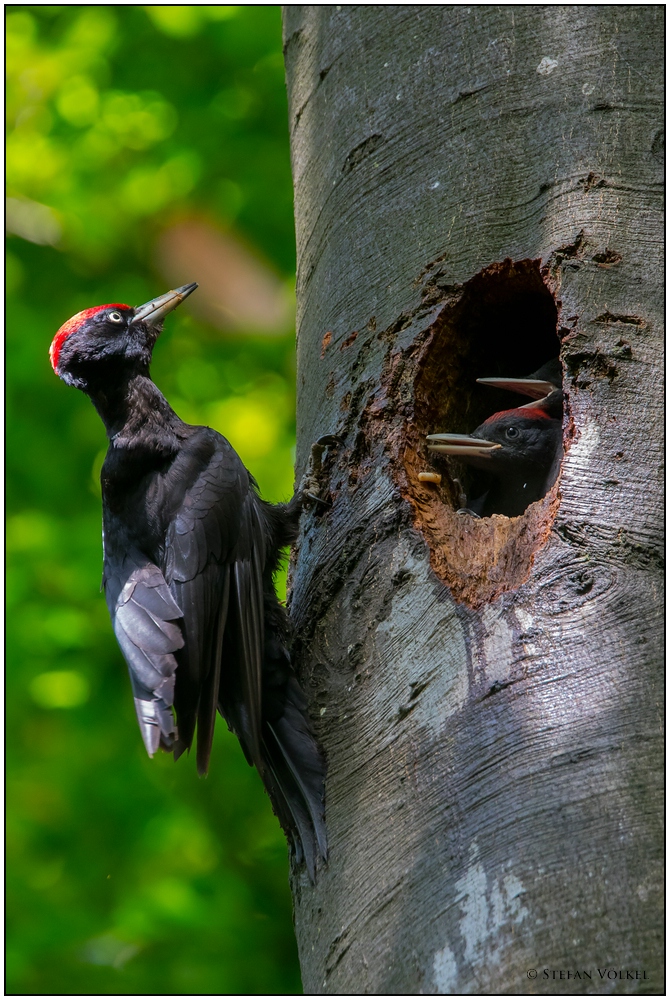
495, 778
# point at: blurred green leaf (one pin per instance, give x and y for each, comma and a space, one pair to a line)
60, 689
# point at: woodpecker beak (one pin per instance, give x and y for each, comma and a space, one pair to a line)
535, 388
461, 445
552, 404
156, 310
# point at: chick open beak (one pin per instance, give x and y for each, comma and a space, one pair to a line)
461, 445
155, 310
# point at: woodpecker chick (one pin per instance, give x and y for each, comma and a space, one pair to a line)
519, 449
190, 551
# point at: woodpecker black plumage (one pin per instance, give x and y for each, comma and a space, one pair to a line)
520, 451
190, 551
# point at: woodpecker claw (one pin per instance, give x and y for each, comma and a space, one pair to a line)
316, 499
309, 487
462, 496
466, 510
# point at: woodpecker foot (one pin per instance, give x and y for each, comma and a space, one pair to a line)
309, 487
466, 510
462, 496
312, 497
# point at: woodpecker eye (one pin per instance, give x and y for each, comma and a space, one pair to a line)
512, 432
115, 317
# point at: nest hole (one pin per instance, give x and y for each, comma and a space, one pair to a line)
502, 323
503, 326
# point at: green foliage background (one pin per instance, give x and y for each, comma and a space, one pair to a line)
124, 874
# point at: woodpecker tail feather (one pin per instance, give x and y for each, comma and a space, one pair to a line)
291, 763
294, 772
286, 755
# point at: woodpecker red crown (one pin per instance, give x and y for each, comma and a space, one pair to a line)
521, 411
73, 325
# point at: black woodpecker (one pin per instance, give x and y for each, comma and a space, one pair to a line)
519, 449
190, 550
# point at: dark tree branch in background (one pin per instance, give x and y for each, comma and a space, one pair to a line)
475, 188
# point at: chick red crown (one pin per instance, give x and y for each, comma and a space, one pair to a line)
72, 325
521, 411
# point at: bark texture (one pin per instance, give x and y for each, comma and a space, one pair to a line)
475, 187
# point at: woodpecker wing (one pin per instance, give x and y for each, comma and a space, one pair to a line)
241, 696
145, 618
213, 562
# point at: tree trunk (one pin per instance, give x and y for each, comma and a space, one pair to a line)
476, 187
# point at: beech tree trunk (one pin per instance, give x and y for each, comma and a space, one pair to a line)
475, 188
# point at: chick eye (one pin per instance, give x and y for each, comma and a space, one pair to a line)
115, 317
512, 432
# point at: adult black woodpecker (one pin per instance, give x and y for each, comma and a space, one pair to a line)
519, 449
190, 551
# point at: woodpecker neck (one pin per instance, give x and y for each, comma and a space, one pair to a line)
137, 415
